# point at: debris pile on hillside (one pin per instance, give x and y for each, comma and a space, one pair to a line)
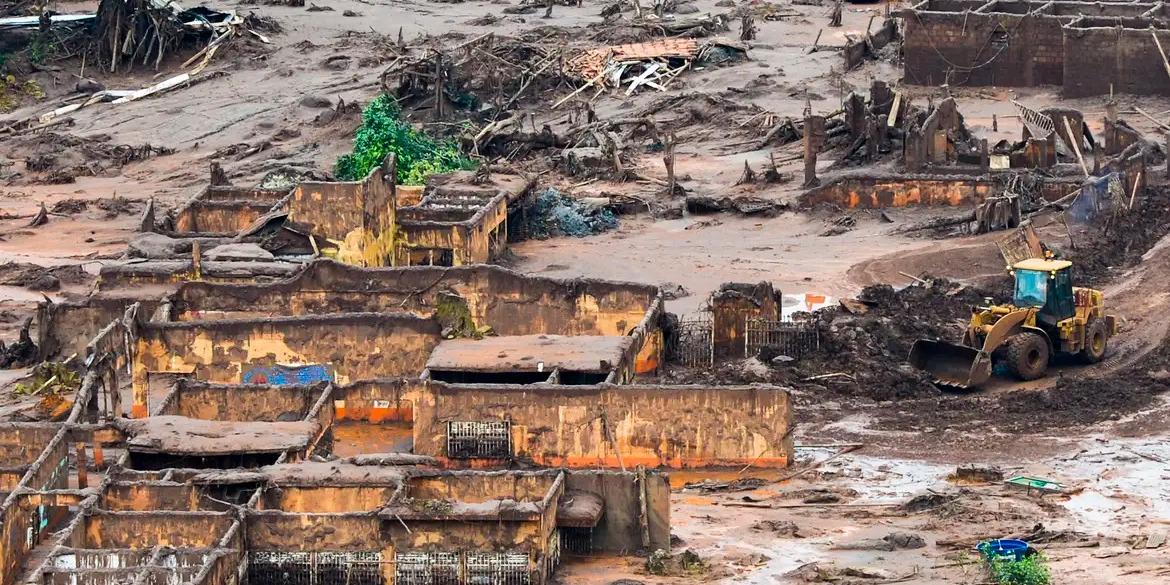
41, 278
1121, 238
486, 75
653, 64
56, 158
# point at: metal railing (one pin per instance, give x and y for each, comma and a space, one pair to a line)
791, 338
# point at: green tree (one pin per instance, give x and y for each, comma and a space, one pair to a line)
383, 131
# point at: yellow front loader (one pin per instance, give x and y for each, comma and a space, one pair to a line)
1047, 316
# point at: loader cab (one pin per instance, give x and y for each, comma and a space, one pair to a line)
1046, 285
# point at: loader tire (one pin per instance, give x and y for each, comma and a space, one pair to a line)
1027, 356
1096, 339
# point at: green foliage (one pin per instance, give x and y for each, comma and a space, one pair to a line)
454, 315
56, 378
39, 49
382, 132
1032, 570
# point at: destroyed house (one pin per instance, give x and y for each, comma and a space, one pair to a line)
379, 518
459, 221
223, 210
351, 521
205, 426
476, 425
343, 324
1088, 48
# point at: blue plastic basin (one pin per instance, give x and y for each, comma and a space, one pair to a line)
1003, 548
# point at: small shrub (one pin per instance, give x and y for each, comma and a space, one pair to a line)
382, 132
657, 561
1032, 570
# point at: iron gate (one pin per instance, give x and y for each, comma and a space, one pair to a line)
696, 340
479, 440
791, 338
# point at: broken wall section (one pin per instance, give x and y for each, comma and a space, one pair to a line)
340, 347
358, 218
612, 426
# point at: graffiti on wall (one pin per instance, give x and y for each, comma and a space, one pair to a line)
285, 375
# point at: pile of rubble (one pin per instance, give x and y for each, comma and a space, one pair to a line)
56, 158
864, 343
553, 213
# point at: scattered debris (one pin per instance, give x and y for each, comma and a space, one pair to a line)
553, 213
41, 278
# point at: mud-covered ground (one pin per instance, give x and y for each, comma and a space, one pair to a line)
294, 102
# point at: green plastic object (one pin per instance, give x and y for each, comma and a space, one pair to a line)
1035, 483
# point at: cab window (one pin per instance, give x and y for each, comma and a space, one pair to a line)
1031, 288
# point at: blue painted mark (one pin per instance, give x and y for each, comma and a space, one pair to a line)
279, 375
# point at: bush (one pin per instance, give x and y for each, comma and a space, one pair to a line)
382, 132
1028, 571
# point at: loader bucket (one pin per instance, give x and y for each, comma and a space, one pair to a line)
950, 364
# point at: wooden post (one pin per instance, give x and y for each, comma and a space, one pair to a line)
668, 160
196, 261
82, 467
814, 132
1165, 63
643, 507
438, 86
1072, 139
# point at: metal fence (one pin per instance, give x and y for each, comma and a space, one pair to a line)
419, 568
470, 568
696, 340
315, 568
497, 569
479, 440
791, 338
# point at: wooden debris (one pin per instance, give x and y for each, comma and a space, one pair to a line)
41, 218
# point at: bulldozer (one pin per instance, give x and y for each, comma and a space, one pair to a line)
1047, 316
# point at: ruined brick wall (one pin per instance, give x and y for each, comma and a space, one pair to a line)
64, 328
153, 279
478, 487
871, 192
345, 347
856, 51
1117, 53
144, 529
198, 399
999, 45
358, 217
513, 304
588, 426
141, 496
620, 529
219, 217
957, 48
327, 499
